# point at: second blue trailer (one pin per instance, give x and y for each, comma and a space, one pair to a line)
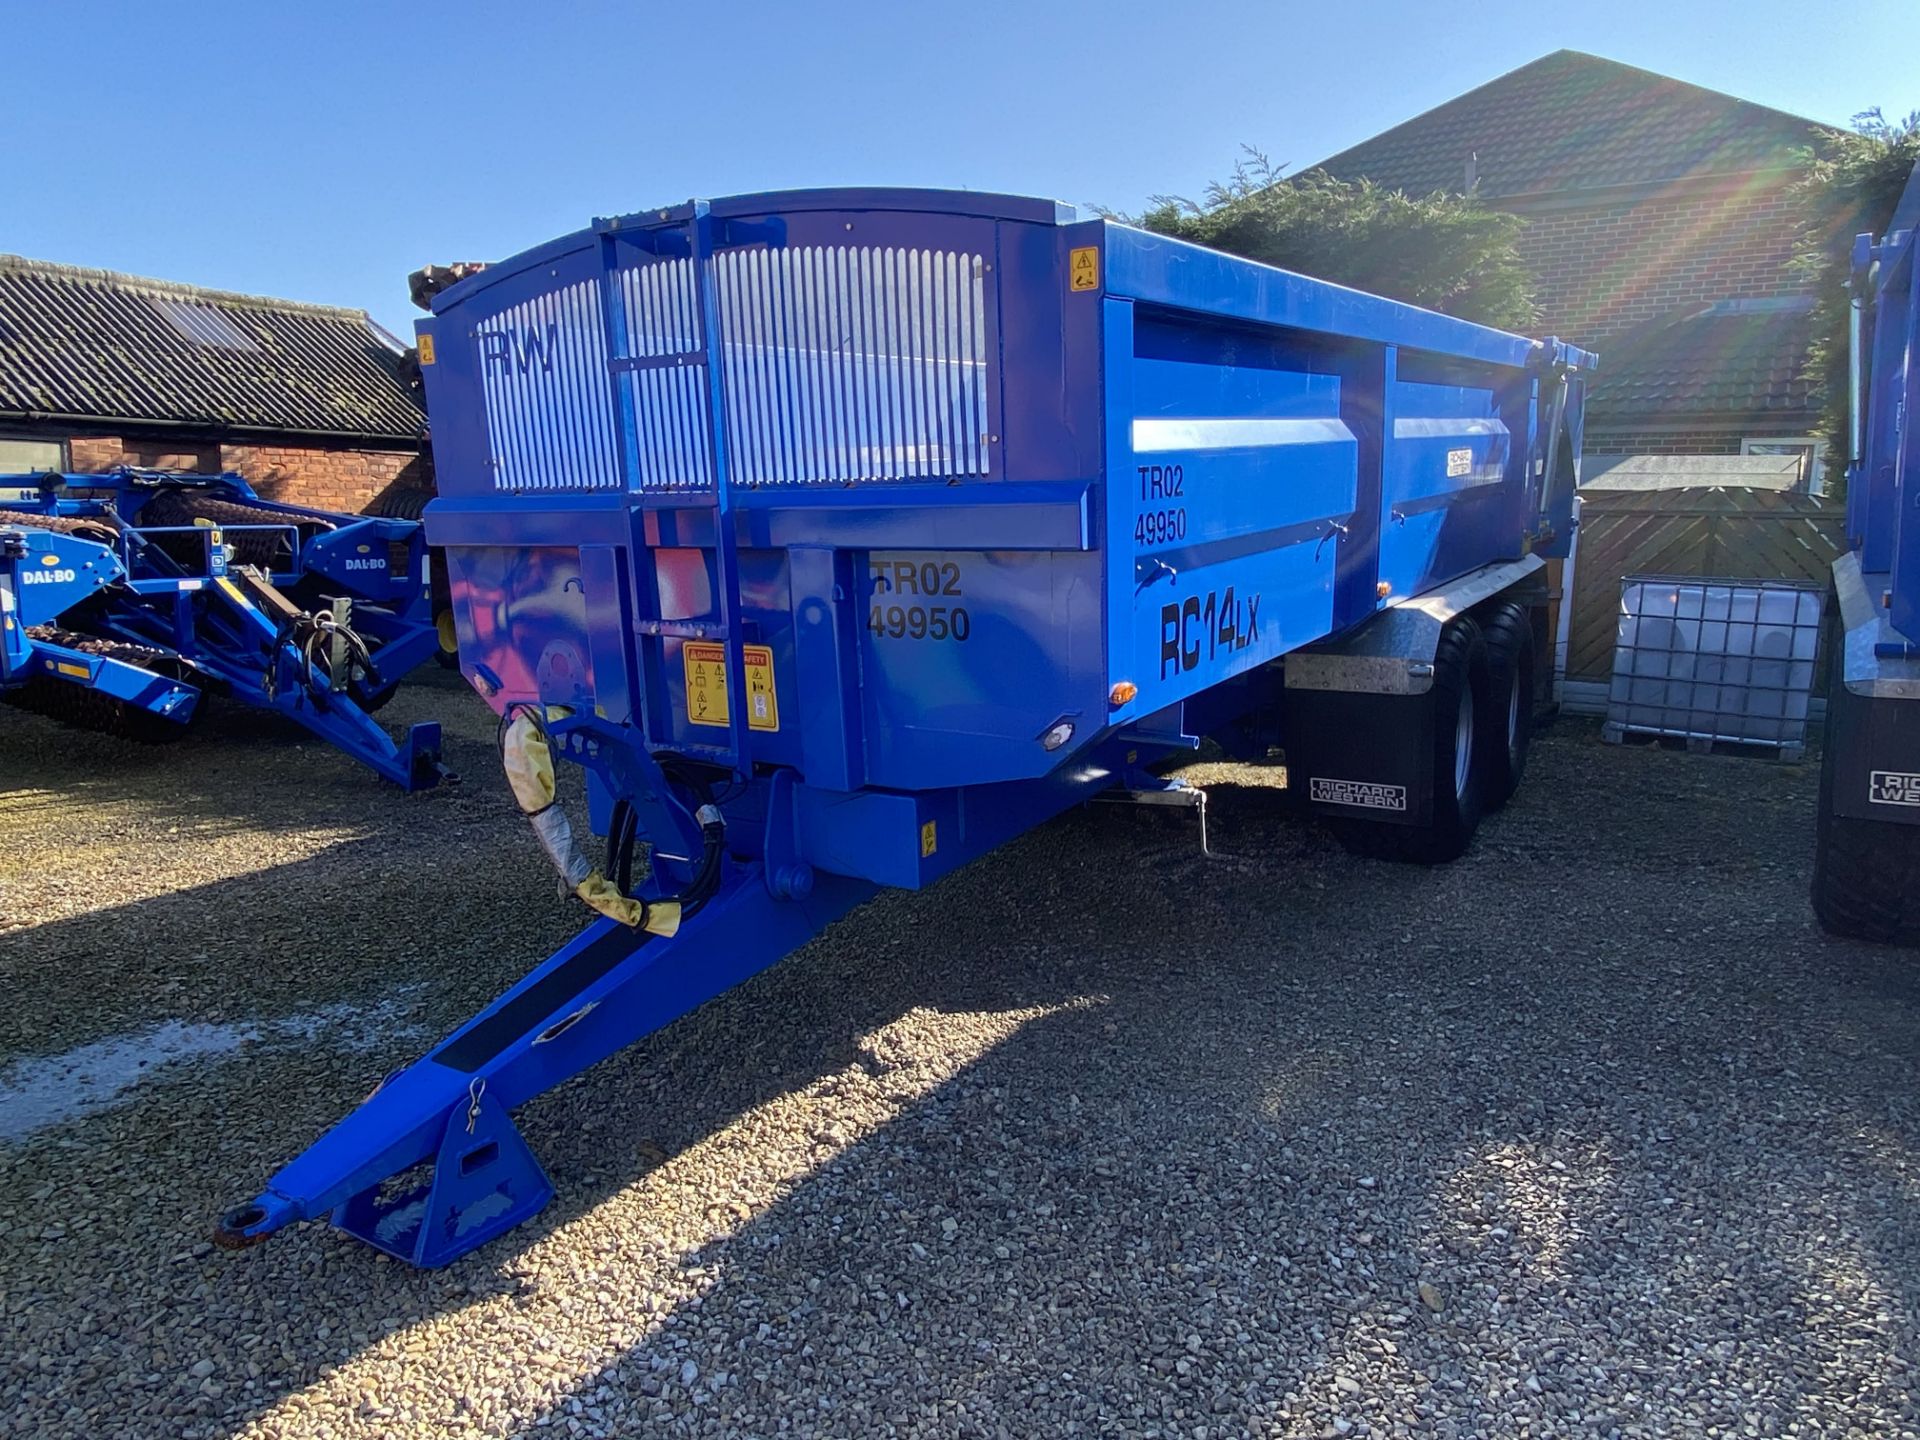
839, 536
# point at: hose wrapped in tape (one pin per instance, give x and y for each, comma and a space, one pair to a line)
529, 765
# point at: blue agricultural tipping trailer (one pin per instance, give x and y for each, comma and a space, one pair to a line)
126, 595
1866, 872
840, 536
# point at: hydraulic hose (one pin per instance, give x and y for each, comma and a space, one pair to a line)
527, 756
310, 634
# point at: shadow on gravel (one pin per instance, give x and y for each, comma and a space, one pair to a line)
1593, 1127
1648, 1141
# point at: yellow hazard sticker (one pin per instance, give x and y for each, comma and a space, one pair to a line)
1083, 268
426, 349
929, 840
706, 667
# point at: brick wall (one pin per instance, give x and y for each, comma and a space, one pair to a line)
1630, 442
103, 452
1603, 269
1626, 443
326, 477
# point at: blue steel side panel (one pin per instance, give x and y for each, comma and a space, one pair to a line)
1873, 492
1227, 504
968, 657
1901, 400
1887, 532
1448, 463
1181, 276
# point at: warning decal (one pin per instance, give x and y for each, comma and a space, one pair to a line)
1459, 462
706, 667
1084, 268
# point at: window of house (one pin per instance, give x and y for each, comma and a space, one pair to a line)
21, 457
1812, 453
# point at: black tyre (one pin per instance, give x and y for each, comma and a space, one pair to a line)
372, 700
1866, 873
1458, 698
1506, 721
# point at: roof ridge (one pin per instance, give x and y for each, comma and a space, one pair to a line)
119, 279
1559, 62
1686, 84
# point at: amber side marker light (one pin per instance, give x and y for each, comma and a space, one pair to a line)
1122, 693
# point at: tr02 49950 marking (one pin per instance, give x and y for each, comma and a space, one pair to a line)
1893, 787
1218, 625
1162, 482
1362, 794
900, 620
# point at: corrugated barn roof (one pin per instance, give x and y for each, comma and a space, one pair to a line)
82, 345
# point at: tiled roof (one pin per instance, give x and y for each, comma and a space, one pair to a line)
92, 344
1569, 121
1736, 358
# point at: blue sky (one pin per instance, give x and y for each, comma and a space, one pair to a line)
321, 152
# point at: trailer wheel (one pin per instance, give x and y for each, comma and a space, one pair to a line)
1458, 698
1866, 873
1506, 728
448, 630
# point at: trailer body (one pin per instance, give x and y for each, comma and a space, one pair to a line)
1866, 880
125, 595
865, 529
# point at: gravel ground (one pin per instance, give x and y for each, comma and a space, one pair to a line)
1590, 1133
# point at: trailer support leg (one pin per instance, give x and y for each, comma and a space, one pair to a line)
485, 1182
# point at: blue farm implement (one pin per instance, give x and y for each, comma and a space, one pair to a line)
838, 537
125, 596
1866, 870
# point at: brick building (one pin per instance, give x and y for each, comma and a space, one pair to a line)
98, 369
1659, 231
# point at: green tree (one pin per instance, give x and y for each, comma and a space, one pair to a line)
1852, 182
1446, 252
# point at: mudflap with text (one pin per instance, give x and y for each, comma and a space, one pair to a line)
1361, 756
1875, 759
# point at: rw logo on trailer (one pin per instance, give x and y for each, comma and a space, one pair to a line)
519, 349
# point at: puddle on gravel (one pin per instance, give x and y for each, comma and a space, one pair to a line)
44, 1090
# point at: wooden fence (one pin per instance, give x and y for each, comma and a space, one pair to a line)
1731, 532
